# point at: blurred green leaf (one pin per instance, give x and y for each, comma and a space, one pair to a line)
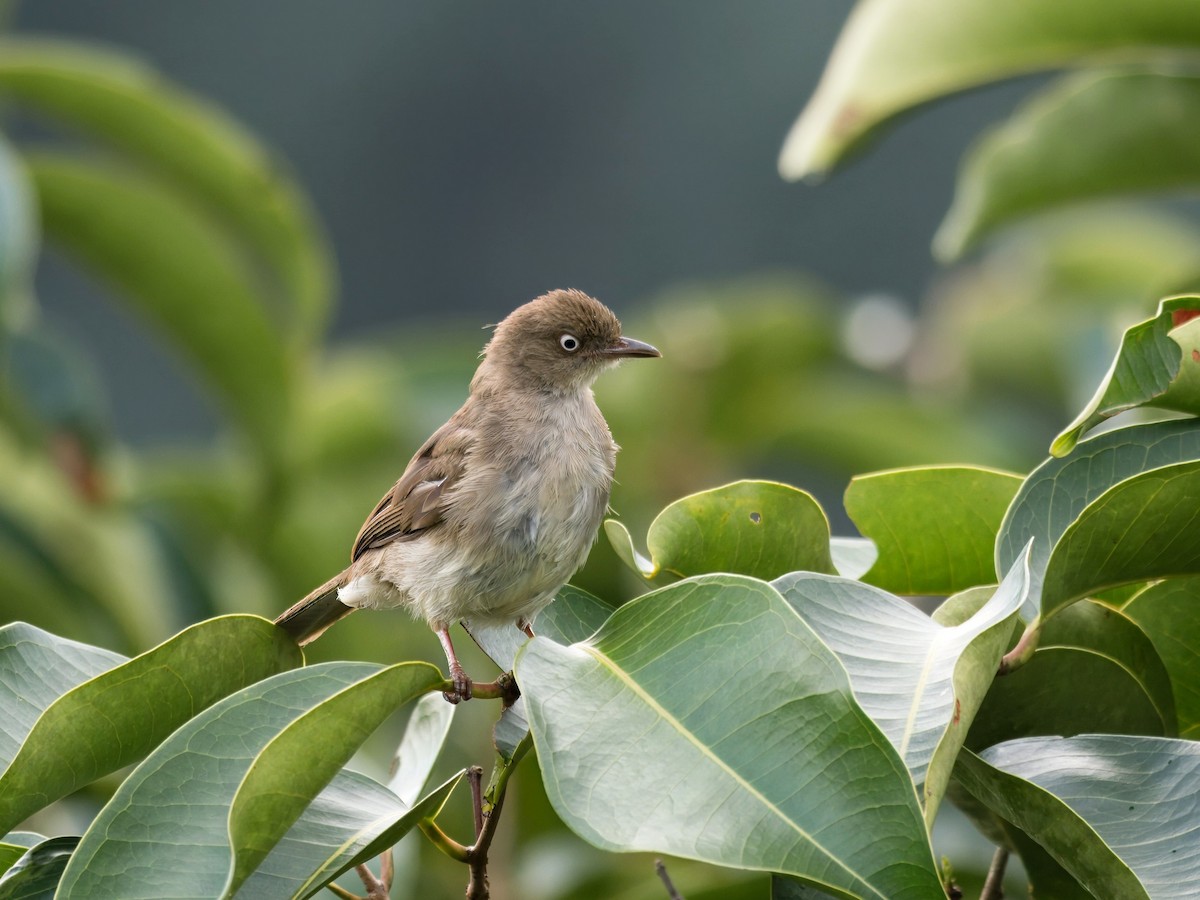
18, 238
935, 527
36, 874
351, 821
1138, 138
1138, 530
180, 274
261, 755
1117, 812
125, 103
1056, 493
1094, 670
686, 723
117, 716
1166, 612
893, 55
920, 681
757, 528
1157, 365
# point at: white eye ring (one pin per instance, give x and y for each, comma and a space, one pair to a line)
569, 342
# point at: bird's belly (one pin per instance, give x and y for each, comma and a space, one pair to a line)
505, 566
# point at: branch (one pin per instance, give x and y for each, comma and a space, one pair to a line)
488, 810
1023, 651
993, 888
661, 868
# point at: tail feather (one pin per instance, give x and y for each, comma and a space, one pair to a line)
308, 619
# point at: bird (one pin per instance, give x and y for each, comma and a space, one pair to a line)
500, 506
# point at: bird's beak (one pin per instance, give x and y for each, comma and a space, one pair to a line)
629, 347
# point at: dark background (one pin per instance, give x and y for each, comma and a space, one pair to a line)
467, 156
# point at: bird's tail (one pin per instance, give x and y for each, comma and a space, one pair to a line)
308, 619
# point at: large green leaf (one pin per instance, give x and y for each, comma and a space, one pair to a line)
935, 526
36, 668
758, 528
575, 615
36, 874
893, 55
201, 150
1142, 528
118, 716
180, 273
1166, 612
1117, 812
352, 820
1157, 365
920, 681
1056, 493
203, 810
424, 734
1139, 138
1094, 670
706, 720
18, 237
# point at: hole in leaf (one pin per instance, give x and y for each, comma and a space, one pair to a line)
755, 517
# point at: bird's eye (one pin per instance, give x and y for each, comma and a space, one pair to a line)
569, 342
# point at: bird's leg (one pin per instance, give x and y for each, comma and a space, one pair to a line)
525, 627
458, 675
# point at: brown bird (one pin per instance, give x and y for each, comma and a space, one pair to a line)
500, 507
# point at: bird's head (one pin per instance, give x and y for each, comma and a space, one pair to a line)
560, 342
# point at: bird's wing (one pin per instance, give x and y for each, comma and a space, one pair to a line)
414, 504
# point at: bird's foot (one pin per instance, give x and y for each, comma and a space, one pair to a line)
462, 685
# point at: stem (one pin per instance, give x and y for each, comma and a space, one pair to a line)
443, 841
376, 889
993, 888
475, 777
1023, 651
661, 868
342, 892
491, 803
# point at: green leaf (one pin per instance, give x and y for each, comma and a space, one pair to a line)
1158, 365
36, 874
188, 141
1138, 139
758, 528
894, 55
935, 526
686, 725
424, 734
1094, 670
1166, 612
920, 681
118, 716
1140, 529
255, 760
575, 615
180, 274
36, 668
351, 821
1056, 493
1117, 812
18, 238
14, 845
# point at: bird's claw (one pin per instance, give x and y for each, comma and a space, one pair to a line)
462, 686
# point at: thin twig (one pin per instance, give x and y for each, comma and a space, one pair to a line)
661, 868
387, 868
443, 841
993, 888
342, 892
475, 779
376, 890
477, 887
